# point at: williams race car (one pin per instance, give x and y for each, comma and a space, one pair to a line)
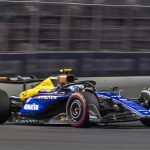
64, 100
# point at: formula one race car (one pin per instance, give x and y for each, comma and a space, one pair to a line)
63, 100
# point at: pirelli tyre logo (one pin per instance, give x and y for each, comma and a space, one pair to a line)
31, 106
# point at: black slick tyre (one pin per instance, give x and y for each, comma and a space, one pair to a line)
77, 108
5, 106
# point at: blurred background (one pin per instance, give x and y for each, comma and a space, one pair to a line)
97, 37
75, 25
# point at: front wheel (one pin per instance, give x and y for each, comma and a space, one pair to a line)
77, 108
146, 122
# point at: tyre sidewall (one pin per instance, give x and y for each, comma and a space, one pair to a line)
84, 116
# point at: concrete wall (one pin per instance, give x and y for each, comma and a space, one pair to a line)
83, 63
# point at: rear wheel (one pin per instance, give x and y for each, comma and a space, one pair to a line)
77, 108
5, 106
146, 122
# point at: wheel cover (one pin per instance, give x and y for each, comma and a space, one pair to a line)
75, 109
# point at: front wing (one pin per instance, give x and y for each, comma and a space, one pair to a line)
127, 103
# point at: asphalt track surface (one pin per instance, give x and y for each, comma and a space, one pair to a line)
122, 136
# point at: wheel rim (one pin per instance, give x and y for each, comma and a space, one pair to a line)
75, 110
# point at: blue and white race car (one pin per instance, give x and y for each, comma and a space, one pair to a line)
77, 103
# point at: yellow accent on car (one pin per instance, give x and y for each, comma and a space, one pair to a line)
44, 85
65, 70
62, 118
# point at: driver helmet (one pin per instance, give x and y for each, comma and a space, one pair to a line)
76, 88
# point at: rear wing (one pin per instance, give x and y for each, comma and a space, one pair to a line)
20, 80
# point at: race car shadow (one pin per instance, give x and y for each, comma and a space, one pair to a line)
135, 125
129, 125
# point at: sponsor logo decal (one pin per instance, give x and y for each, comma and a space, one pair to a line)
92, 117
47, 97
145, 112
31, 106
116, 96
123, 99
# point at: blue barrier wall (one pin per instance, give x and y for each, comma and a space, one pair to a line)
83, 64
